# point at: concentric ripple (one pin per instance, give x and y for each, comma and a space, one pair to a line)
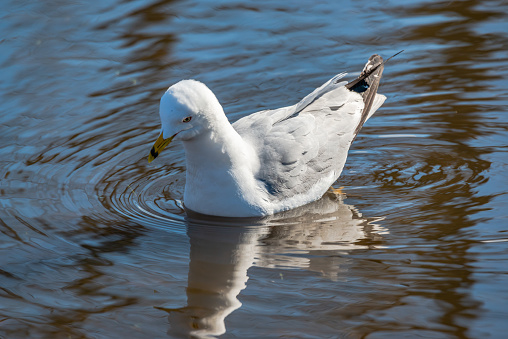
152, 198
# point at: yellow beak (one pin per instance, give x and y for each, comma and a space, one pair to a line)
158, 147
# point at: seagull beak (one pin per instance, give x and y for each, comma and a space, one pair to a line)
158, 147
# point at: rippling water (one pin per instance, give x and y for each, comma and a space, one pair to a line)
94, 242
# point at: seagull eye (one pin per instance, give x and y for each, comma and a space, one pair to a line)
187, 119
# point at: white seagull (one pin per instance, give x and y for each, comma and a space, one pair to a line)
272, 160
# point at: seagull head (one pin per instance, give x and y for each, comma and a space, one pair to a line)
187, 109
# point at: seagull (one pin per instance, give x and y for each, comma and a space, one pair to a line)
270, 161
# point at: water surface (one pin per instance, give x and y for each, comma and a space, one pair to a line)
94, 242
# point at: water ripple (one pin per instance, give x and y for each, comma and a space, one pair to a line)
94, 240
151, 198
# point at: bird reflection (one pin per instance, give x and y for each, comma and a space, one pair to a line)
222, 250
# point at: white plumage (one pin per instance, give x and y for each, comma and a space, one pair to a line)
269, 161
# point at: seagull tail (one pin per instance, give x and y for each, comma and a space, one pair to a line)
367, 85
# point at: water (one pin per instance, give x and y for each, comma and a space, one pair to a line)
94, 242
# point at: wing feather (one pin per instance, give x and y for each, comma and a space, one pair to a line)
299, 145
295, 147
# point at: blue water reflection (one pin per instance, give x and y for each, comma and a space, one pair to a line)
94, 242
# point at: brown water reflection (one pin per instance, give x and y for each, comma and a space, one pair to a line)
222, 253
94, 242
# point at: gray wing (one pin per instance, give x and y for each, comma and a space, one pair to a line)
297, 151
300, 144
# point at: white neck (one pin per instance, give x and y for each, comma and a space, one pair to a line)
214, 147
219, 157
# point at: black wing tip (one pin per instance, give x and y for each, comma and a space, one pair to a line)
367, 85
360, 87
374, 63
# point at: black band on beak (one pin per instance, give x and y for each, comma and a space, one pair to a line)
154, 153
